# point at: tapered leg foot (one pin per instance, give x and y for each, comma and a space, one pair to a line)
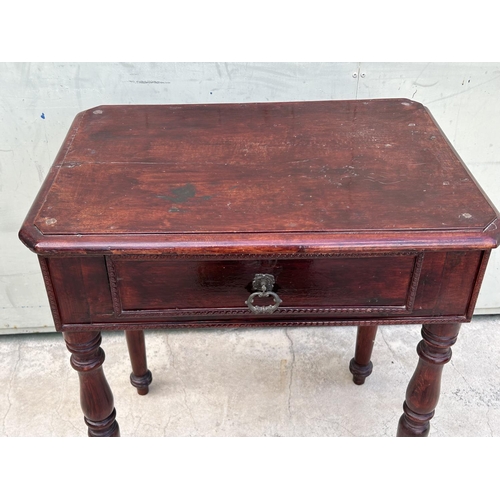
413, 424
103, 428
96, 397
140, 377
361, 366
422, 395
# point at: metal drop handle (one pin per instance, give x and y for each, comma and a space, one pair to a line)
263, 284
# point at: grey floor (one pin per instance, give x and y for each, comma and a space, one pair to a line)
252, 382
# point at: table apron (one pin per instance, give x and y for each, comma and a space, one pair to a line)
154, 291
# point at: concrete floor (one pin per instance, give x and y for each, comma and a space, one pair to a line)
251, 382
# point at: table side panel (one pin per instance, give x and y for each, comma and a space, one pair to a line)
79, 288
447, 283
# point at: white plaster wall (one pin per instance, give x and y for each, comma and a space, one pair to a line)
38, 102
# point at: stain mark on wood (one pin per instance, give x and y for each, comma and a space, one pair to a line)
180, 194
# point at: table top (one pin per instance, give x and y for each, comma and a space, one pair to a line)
145, 177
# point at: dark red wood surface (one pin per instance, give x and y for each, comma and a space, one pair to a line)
160, 216
361, 366
424, 388
260, 175
357, 282
140, 377
86, 291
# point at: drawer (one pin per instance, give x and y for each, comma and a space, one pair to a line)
157, 286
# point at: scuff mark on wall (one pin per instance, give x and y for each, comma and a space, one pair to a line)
147, 82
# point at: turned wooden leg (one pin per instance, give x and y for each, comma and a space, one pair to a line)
96, 397
361, 366
140, 377
423, 390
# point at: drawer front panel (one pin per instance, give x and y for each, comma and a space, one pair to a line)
157, 287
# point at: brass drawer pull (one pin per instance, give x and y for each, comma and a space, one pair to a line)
263, 283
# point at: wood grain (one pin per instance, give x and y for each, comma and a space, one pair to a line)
361, 165
137, 288
161, 216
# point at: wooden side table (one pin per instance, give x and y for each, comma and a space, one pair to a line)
266, 214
